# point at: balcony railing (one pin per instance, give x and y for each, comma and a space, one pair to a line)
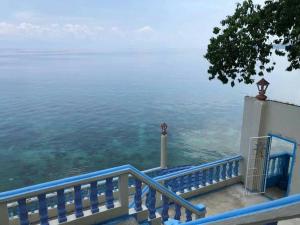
88, 208
197, 180
278, 170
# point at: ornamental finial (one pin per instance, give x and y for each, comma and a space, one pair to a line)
262, 86
164, 128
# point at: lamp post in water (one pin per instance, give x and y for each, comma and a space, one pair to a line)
163, 146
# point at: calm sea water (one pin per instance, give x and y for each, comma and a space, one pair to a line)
63, 113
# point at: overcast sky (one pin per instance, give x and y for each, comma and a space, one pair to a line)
110, 24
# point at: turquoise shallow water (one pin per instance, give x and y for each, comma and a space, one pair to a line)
63, 114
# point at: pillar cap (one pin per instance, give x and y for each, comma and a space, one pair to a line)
164, 128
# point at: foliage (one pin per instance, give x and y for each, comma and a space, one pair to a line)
244, 44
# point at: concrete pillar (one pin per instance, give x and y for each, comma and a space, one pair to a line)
164, 146
4, 219
253, 120
123, 191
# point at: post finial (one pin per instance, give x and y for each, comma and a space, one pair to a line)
262, 86
164, 128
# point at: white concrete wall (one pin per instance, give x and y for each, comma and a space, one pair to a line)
264, 117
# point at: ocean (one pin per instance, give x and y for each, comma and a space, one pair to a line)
64, 113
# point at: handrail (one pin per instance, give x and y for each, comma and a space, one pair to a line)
262, 207
188, 171
51, 186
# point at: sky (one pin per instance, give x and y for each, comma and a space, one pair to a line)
110, 24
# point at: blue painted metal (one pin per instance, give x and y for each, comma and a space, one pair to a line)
78, 201
165, 210
262, 207
152, 201
109, 197
23, 212
223, 174
177, 212
43, 209
188, 215
61, 206
94, 197
138, 195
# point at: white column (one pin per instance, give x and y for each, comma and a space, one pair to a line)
253, 126
123, 190
4, 219
164, 146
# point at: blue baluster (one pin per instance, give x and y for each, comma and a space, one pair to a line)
148, 199
94, 197
276, 166
189, 182
217, 174
203, 183
61, 206
280, 164
236, 168
138, 195
181, 184
109, 197
177, 183
223, 174
43, 209
78, 201
23, 212
197, 179
152, 201
230, 167
173, 184
271, 167
210, 175
165, 210
188, 215
177, 212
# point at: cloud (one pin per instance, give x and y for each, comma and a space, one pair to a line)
145, 29
25, 29
25, 16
